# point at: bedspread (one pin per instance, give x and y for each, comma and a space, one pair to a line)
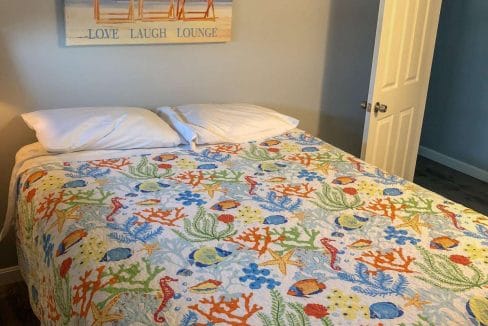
288, 231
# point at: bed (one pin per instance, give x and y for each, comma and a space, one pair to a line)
287, 231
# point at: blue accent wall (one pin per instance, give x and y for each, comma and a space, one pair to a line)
456, 116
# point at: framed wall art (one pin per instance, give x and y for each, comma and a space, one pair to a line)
101, 22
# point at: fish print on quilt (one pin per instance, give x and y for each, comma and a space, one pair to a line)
288, 231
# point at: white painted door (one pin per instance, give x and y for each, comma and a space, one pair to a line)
402, 61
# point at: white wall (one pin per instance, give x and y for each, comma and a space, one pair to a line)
277, 58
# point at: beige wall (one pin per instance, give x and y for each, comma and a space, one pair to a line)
277, 58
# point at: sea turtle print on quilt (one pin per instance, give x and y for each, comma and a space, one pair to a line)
288, 231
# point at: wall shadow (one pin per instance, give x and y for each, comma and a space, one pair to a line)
60, 22
13, 134
352, 29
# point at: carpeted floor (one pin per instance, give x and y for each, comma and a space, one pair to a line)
458, 187
14, 306
452, 184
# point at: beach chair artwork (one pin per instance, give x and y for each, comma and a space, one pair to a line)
207, 14
147, 21
152, 10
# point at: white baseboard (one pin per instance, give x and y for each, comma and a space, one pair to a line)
10, 275
457, 165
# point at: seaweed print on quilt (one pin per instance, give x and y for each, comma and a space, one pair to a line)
287, 231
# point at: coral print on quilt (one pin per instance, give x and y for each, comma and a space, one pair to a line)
287, 231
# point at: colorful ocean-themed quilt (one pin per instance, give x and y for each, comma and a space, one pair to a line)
288, 231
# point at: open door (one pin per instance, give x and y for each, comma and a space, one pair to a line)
404, 47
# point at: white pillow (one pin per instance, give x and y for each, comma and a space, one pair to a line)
76, 129
220, 123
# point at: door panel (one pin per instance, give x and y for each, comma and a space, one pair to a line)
404, 133
393, 47
382, 141
417, 40
400, 76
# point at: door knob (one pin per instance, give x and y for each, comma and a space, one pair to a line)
378, 107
